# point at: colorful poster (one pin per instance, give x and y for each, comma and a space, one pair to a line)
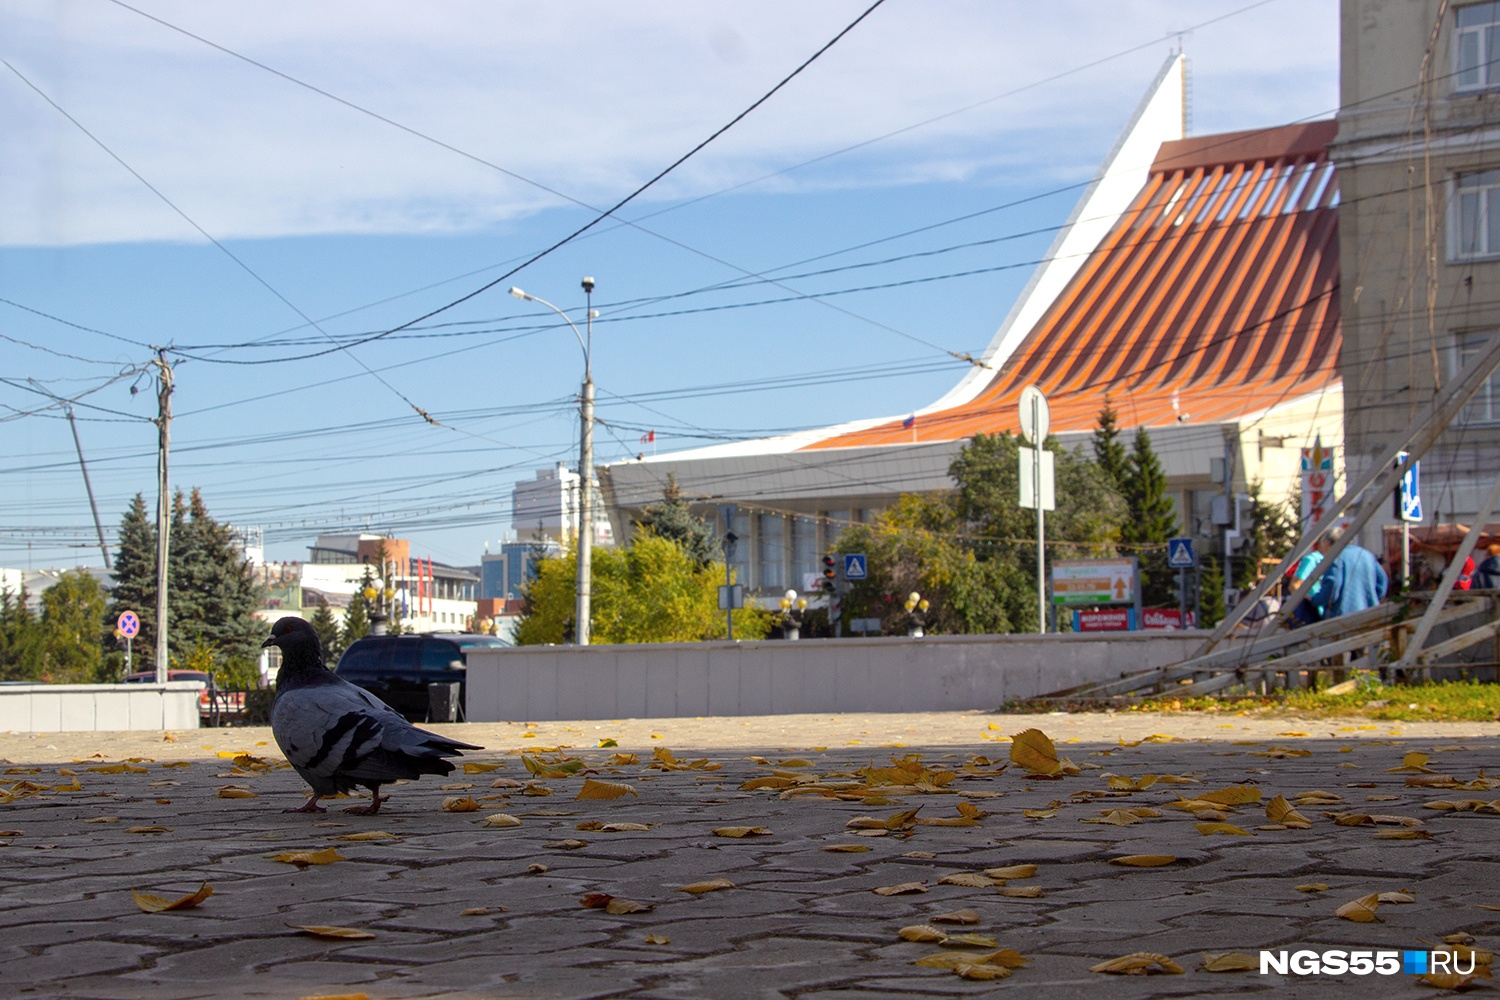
1317, 483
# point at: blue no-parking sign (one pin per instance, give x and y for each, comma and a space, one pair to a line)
128, 624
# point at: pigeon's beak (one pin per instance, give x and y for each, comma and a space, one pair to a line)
271, 641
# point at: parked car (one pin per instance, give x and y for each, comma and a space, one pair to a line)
397, 668
211, 700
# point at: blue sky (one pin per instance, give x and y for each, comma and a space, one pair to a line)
923, 114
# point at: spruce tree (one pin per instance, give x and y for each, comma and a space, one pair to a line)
20, 638
327, 628
1152, 521
357, 618
671, 519
214, 593
135, 582
1109, 453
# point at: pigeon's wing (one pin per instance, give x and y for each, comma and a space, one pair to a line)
337, 733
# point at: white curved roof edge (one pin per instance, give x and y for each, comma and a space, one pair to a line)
766, 446
1157, 119
1334, 388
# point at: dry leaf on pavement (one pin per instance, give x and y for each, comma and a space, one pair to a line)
336, 933
742, 831
501, 819
1138, 963
1229, 961
460, 804
369, 835
1313, 887
302, 859
1209, 829
1144, 860
923, 933
595, 789
900, 890
970, 880
566, 845
1361, 910
847, 848
1021, 891
150, 903
657, 939
711, 885
1011, 872
956, 917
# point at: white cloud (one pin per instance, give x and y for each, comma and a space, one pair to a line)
587, 98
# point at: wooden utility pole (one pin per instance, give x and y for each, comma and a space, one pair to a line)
163, 423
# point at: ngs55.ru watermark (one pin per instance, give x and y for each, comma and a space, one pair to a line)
1338, 962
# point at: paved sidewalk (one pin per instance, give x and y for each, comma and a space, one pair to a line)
801, 921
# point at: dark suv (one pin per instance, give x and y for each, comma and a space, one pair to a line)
397, 668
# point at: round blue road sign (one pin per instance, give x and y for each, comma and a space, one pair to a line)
128, 624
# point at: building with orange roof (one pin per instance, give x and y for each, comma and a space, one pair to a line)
1195, 287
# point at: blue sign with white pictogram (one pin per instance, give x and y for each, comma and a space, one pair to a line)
1409, 493
854, 566
1180, 554
128, 624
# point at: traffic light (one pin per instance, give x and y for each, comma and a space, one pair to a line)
830, 573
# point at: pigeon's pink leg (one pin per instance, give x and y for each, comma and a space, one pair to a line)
372, 808
310, 806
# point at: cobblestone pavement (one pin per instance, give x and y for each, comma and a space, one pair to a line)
801, 920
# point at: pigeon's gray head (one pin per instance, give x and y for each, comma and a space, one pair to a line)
296, 639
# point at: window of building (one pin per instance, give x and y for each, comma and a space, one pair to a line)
1484, 407
772, 573
739, 559
804, 550
1477, 214
1477, 45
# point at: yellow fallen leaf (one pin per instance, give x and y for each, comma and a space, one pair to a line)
460, 804
1361, 910
1114, 817
711, 885
620, 907
501, 819
1209, 829
1396, 897
1234, 795
480, 767
900, 890
1011, 872
971, 880
1229, 961
1121, 783
956, 917
742, 831
1279, 810
231, 792
326, 856
536, 869
922, 933
1021, 891
1039, 813
847, 848
1406, 834
566, 845
149, 829
1138, 963
1144, 860
332, 933
1034, 751
968, 941
370, 835
150, 903
103, 819
621, 827
1313, 887
117, 769
595, 789
1412, 763
981, 972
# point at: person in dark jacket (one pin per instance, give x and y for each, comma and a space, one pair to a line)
1354, 582
1487, 576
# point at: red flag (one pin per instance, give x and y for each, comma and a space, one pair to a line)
648, 437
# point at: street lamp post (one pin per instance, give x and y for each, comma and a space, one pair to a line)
585, 459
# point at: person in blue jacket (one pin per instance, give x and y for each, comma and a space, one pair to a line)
1354, 582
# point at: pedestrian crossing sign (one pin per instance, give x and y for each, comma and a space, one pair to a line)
1180, 553
854, 566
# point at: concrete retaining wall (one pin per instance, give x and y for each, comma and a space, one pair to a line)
55, 708
937, 673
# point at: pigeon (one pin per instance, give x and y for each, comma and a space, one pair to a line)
339, 736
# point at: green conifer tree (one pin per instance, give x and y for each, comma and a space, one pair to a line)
1109, 453
1152, 520
327, 626
135, 582
20, 638
357, 618
673, 520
